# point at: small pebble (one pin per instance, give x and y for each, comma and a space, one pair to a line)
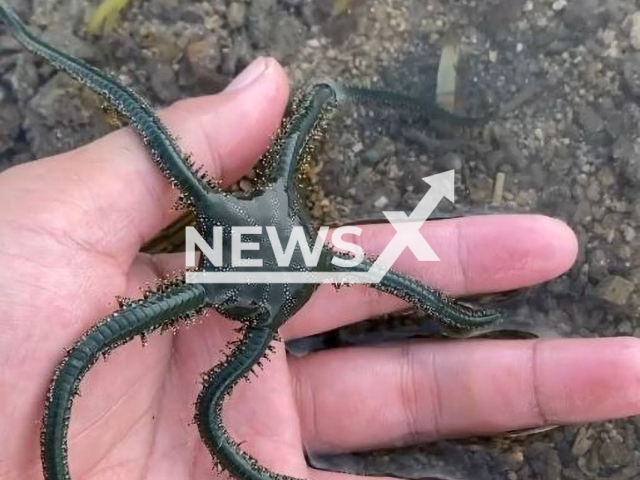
237, 14
558, 5
583, 442
381, 202
615, 290
629, 233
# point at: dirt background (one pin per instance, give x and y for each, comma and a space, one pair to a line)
563, 75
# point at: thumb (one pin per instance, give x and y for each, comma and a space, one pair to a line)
111, 198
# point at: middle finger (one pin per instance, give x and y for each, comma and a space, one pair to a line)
364, 398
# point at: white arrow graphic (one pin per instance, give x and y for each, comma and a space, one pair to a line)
442, 186
408, 227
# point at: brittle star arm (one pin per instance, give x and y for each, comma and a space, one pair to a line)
312, 112
138, 318
422, 109
310, 116
217, 385
164, 150
456, 318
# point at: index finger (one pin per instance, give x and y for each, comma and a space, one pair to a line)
109, 196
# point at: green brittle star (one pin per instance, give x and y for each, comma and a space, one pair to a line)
261, 308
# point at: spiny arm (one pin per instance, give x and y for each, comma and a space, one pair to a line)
395, 100
137, 318
218, 383
164, 149
457, 319
312, 111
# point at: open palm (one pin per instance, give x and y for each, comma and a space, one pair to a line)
70, 232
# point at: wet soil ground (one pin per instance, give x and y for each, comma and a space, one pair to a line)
563, 75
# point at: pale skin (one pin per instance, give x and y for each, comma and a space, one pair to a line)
72, 227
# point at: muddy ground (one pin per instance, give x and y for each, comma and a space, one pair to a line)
564, 77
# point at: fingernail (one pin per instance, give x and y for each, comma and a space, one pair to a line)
249, 74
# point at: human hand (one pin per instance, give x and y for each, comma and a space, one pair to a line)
71, 230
